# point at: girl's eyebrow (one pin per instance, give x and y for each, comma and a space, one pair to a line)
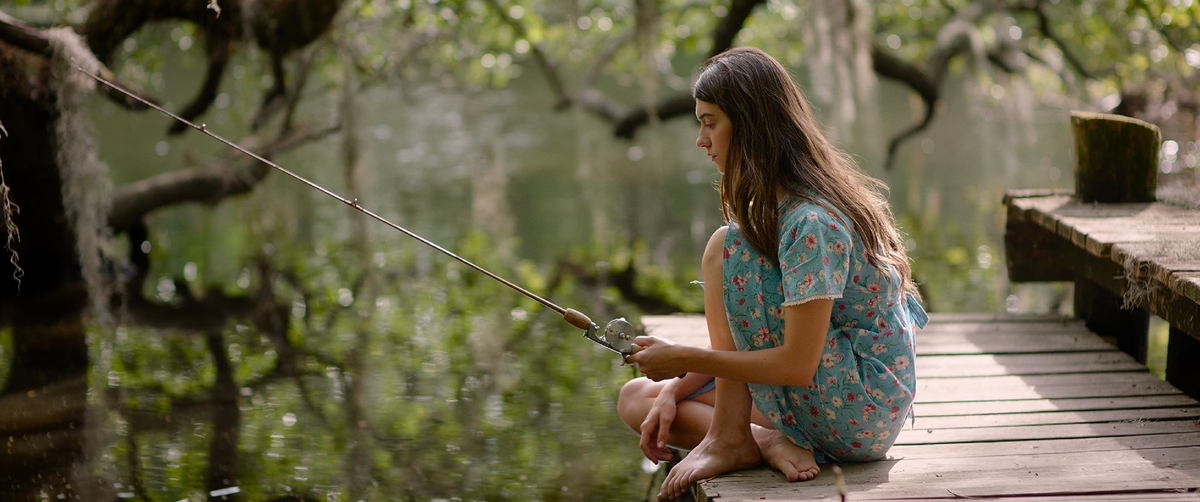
702, 115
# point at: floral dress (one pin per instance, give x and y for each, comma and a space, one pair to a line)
865, 383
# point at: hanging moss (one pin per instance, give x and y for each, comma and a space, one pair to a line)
1180, 194
12, 233
86, 185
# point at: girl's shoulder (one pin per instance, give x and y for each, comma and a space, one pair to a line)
803, 211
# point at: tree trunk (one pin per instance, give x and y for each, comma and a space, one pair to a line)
42, 402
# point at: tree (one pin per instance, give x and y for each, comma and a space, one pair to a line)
618, 62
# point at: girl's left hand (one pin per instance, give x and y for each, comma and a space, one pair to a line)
659, 359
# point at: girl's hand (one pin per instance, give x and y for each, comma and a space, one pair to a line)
657, 427
659, 359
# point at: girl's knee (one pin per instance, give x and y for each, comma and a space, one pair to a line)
633, 401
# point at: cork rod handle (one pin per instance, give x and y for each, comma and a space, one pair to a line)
577, 319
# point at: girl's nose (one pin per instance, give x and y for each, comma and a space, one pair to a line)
701, 141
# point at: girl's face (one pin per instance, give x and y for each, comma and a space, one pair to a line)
715, 131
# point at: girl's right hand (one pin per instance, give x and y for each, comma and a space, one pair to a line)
656, 428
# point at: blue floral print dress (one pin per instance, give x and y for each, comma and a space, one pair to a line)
865, 383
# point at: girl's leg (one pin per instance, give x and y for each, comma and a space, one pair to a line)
729, 444
693, 418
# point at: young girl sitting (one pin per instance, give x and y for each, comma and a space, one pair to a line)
810, 303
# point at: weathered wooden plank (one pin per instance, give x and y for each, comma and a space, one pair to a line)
1045, 446
1025, 364
937, 319
1139, 223
1068, 379
935, 392
1138, 496
966, 344
1040, 405
1056, 418
1039, 432
1050, 396
1185, 284
1072, 326
1098, 236
1033, 207
1075, 209
1023, 193
1100, 242
1068, 473
692, 328
1158, 259
687, 329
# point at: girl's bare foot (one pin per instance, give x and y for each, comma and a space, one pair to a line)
713, 456
796, 463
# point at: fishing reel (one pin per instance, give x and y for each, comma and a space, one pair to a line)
617, 337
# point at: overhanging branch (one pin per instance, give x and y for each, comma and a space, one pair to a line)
206, 185
15, 32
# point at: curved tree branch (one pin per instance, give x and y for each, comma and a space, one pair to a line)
953, 40
916, 77
19, 34
626, 120
1046, 27
548, 67
731, 24
206, 185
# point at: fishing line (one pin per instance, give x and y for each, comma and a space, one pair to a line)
618, 334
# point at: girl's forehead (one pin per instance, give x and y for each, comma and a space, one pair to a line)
704, 107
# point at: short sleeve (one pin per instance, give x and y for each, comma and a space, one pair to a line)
814, 254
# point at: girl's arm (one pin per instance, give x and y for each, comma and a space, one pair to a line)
805, 328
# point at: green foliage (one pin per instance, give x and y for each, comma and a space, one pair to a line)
472, 391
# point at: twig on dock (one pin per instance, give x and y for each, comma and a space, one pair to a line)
840, 481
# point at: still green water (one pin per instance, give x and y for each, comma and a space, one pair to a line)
437, 383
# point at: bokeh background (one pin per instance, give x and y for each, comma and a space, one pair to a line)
272, 343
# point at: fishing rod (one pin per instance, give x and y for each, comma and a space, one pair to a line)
618, 333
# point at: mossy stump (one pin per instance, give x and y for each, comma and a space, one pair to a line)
1117, 158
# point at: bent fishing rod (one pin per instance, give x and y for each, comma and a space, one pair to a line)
618, 334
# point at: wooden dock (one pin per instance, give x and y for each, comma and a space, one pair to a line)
1027, 408
1016, 407
1146, 252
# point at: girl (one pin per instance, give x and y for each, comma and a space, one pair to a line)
810, 299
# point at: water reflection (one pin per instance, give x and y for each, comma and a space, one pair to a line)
388, 372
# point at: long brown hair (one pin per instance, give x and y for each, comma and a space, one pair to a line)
775, 143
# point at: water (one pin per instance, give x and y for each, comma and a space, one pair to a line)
447, 385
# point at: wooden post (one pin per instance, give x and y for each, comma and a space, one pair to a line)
1117, 158
1183, 354
1117, 161
1102, 313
